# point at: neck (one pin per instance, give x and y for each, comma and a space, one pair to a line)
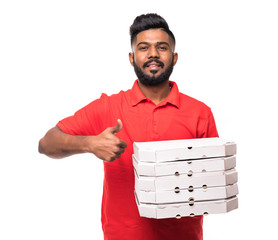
156, 93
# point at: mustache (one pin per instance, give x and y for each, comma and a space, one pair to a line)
154, 60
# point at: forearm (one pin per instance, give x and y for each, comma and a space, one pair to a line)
57, 144
105, 146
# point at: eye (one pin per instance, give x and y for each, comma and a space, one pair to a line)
143, 48
162, 48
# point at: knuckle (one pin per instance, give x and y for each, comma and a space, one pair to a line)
115, 149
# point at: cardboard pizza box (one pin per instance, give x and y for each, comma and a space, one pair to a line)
185, 166
178, 210
163, 151
187, 195
185, 181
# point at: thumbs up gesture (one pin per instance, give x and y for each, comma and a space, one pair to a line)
107, 146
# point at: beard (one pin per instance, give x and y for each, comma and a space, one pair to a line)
153, 80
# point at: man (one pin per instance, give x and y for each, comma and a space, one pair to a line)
152, 110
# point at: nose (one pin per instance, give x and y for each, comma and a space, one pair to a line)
153, 52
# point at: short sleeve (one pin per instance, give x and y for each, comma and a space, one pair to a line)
207, 127
89, 120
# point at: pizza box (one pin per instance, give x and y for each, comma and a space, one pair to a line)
186, 181
185, 166
163, 151
178, 210
187, 195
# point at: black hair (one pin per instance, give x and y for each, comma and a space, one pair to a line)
149, 21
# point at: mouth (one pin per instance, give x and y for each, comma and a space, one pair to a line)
153, 65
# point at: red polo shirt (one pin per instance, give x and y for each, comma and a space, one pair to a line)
177, 117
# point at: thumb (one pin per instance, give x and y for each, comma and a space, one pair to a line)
118, 127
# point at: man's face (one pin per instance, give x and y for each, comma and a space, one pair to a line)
153, 56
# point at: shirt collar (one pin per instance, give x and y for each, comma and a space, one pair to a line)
173, 98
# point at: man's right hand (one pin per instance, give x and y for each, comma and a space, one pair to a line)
106, 145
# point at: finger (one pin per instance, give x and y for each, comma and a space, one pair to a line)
118, 127
122, 144
109, 160
121, 150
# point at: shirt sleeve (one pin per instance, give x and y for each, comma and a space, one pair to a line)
207, 127
89, 120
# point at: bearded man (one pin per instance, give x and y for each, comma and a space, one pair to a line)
152, 110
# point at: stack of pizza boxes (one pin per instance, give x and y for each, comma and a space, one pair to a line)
185, 177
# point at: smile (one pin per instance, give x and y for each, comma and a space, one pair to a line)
153, 64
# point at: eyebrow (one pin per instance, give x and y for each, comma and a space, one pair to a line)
158, 43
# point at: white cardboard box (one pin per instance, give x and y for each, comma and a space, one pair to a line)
185, 166
177, 210
185, 181
185, 177
187, 195
163, 151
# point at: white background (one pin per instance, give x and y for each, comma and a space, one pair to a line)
56, 56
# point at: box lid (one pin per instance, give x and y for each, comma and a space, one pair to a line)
185, 181
163, 151
184, 166
178, 210
187, 195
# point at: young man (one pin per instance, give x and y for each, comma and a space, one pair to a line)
152, 110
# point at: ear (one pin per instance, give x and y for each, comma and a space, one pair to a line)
131, 58
175, 58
